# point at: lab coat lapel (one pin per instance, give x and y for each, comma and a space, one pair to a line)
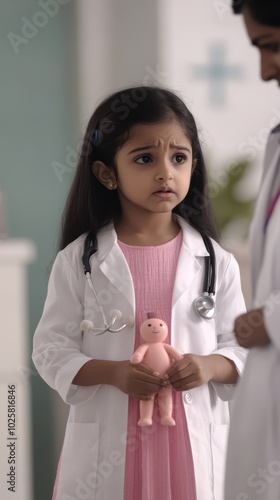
188, 265
257, 231
114, 265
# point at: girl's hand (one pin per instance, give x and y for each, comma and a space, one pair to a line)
137, 381
249, 329
192, 371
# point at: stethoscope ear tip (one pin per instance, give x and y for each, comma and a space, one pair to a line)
116, 314
86, 325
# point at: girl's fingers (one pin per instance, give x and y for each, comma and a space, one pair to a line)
179, 366
145, 369
182, 374
147, 375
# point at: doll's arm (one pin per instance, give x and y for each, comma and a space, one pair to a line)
172, 352
139, 354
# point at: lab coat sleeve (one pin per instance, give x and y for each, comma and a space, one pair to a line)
272, 317
272, 265
230, 304
58, 339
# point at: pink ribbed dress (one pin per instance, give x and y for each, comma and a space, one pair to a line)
159, 464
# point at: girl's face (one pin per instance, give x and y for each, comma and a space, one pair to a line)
267, 40
154, 167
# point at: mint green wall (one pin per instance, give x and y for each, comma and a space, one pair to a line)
37, 124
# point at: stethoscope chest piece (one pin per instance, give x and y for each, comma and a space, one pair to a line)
205, 306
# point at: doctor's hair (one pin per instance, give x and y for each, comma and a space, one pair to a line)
90, 205
263, 11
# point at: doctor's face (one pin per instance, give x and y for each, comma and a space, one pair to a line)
154, 168
267, 40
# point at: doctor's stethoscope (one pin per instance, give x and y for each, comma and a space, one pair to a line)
204, 305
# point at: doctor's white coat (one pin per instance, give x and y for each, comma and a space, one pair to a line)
253, 465
93, 456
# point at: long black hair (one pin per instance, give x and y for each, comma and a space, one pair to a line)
263, 11
90, 205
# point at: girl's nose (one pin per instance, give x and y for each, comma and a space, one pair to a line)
164, 174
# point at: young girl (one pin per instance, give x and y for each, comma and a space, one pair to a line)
140, 189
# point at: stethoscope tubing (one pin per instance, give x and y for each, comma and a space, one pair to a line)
116, 314
204, 305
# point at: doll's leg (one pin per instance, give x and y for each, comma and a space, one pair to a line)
146, 413
165, 404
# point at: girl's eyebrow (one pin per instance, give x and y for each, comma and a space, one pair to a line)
145, 148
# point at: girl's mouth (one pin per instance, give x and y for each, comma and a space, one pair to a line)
164, 194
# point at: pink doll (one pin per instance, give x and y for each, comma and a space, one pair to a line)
158, 356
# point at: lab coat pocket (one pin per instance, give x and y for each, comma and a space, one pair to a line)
219, 436
199, 434
78, 476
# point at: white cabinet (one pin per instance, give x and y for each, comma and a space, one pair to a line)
15, 371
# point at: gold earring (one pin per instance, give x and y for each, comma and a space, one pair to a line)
111, 185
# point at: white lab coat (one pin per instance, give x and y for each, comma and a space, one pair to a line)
93, 457
253, 464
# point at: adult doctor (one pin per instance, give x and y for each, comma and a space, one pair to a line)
136, 188
253, 464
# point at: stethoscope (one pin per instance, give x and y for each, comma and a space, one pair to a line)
204, 305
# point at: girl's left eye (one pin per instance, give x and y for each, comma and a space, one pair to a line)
144, 159
179, 158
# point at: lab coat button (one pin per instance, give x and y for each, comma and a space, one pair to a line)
187, 398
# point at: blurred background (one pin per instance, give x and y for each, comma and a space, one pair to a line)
59, 58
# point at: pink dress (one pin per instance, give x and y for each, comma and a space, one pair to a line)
159, 464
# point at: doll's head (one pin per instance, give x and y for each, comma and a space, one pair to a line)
153, 330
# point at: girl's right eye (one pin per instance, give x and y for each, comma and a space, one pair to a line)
143, 159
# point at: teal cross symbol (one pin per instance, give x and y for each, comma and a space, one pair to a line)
217, 73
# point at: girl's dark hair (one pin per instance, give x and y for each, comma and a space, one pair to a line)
90, 205
263, 11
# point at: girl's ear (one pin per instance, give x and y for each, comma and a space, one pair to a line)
194, 165
104, 174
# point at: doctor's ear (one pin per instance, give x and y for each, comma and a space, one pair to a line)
104, 174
